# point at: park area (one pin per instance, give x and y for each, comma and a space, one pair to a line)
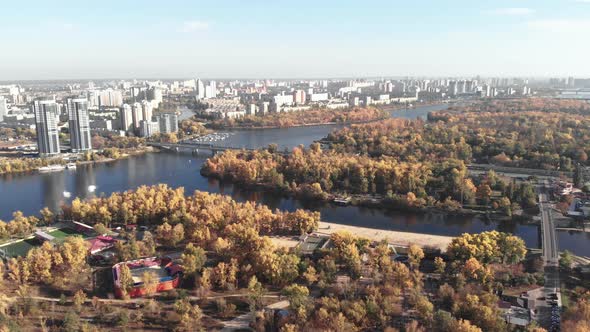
21, 247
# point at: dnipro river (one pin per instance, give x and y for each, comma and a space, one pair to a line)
31, 192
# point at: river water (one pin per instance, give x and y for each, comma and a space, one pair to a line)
31, 192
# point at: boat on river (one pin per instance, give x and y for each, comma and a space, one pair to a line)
51, 168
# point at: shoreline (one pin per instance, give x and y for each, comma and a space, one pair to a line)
35, 170
365, 201
300, 125
396, 238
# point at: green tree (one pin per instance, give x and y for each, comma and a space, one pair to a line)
79, 300
566, 259
125, 279
439, 265
193, 259
415, 256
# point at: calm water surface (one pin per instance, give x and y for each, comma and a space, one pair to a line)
31, 192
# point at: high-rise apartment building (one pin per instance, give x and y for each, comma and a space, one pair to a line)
168, 123
46, 120
110, 98
299, 97
136, 115
200, 93
126, 117
79, 124
3, 108
148, 128
146, 110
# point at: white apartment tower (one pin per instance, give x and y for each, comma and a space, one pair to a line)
3, 108
46, 120
79, 124
126, 117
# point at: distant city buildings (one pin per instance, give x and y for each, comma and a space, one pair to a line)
46, 120
79, 124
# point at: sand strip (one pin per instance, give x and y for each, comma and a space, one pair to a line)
393, 237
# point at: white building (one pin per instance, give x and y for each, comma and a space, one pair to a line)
148, 128
299, 97
3, 108
283, 100
146, 110
110, 97
136, 115
251, 109
79, 123
315, 97
200, 92
126, 116
211, 90
263, 108
46, 120
168, 123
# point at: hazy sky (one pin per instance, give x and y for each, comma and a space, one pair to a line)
53, 39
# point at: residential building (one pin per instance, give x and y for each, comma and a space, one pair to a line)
200, 92
79, 124
318, 97
146, 110
126, 117
299, 97
263, 107
3, 108
136, 115
148, 128
167, 122
46, 120
110, 97
251, 109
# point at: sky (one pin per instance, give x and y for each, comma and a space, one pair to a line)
292, 39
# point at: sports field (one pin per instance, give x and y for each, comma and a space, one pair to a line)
20, 248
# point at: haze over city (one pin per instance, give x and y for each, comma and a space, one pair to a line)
294, 166
292, 39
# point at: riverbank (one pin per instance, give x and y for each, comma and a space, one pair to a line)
306, 192
298, 125
402, 239
312, 117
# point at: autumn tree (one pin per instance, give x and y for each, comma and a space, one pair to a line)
193, 259
125, 279
415, 256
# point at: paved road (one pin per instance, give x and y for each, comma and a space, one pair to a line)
548, 316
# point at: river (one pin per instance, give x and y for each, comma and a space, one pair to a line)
31, 192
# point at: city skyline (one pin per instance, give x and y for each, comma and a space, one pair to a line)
293, 40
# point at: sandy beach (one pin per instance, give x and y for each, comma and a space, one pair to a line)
393, 237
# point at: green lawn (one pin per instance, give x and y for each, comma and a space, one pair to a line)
62, 233
20, 248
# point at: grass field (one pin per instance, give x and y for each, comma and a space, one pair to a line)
20, 248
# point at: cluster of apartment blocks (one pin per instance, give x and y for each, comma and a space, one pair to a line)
139, 119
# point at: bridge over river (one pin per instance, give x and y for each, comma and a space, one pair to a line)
199, 147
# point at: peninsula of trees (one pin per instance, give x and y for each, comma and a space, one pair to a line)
531, 133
